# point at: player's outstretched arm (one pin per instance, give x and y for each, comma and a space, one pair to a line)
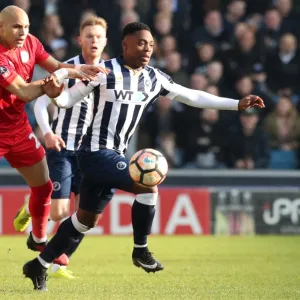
69, 97
202, 99
29, 91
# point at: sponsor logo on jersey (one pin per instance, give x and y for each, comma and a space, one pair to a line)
132, 96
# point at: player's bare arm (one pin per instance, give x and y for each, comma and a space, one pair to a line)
30, 91
83, 72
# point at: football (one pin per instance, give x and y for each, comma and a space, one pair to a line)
148, 167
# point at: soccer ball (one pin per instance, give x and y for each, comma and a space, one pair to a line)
148, 167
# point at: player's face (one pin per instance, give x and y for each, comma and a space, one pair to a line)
138, 48
92, 40
14, 30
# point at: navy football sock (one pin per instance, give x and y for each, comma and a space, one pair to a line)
66, 237
74, 246
142, 218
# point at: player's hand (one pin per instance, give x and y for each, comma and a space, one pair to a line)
54, 142
88, 72
51, 87
250, 101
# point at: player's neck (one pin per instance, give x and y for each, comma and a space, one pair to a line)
89, 60
131, 66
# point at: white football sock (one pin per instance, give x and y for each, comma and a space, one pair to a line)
43, 263
39, 240
55, 267
140, 246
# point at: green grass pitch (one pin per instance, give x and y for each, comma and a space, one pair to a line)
195, 268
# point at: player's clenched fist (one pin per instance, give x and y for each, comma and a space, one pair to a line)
250, 101
51, 87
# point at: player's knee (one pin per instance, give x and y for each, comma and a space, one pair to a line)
87, 218
147, 198
58, 215
43, 191
60, 209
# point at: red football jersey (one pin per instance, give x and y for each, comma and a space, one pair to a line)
19, 61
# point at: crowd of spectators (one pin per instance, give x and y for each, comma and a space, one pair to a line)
229, 48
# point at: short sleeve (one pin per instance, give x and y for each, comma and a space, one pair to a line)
169, 88
40, 54
7, 72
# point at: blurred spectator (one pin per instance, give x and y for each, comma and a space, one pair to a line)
246, 53
235, 13
204, 55
283, 127
51, 30
24, 4
162, 25
204, 143
213, 31
161, 50
128, 17
175, 69
283, 66
198, 82
290, 18
215, 76
59, 49
213, 89
247, 144
272, 28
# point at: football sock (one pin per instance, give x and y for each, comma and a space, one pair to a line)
142, 212
68, 235
39, 207
74, 246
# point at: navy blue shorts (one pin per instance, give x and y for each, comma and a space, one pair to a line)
64, 173
102, 172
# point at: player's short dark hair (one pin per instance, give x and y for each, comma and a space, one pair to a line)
134, 27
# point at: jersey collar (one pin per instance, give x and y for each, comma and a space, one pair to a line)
82, 61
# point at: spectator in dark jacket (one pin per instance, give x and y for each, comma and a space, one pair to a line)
247, 144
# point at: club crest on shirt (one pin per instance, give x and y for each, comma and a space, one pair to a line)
56, 186
24, 56
121, 165
4, 72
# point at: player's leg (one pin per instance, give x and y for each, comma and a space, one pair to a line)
37, 178
75, 189
28, 157
61, 174
71, 232
143, 212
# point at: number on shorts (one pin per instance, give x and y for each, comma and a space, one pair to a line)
37, 143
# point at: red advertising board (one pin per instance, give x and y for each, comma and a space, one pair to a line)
178, 211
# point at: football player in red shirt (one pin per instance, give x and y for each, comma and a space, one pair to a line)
19, 52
